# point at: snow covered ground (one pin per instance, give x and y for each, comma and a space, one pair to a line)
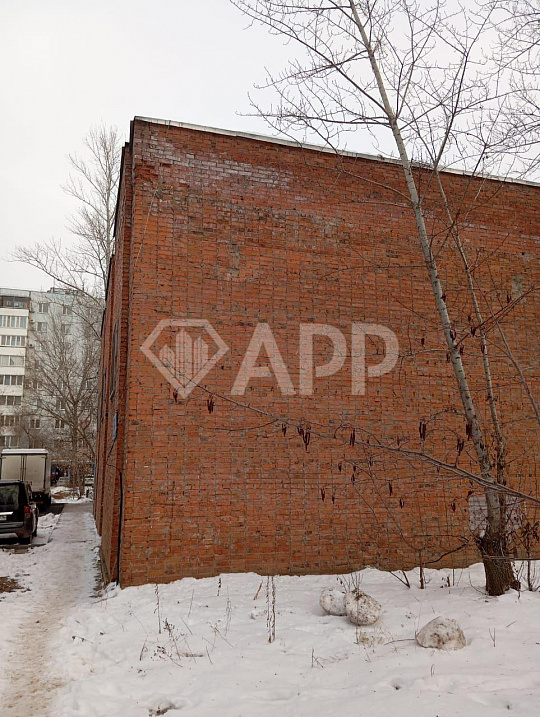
200, 647
56, 575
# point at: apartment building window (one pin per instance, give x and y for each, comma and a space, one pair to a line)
60, 404
10, 421
66, 329
10, 400
9, 340
59, 423
11, 360
14, 302
33, 383
43, 308
9, 441
42, 327
12, 322
11, 380
35, 423
67, 310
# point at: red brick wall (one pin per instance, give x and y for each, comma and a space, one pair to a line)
240, 231
108, 499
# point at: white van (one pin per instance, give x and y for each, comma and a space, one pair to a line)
31, 465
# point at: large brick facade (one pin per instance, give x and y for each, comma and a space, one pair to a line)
239, 230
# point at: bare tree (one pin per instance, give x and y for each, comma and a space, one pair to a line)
84, 266
412, 78
517, 58
62, 379
60, 401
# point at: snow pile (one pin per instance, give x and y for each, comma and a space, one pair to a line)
442, 634
362, 609
332, 601
63, 494
200, 648
46, 525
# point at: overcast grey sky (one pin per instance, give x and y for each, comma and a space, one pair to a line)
67, 65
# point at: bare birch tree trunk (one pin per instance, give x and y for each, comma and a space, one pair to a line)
492, 544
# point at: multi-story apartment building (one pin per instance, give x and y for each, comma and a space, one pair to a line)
26, 318
14, 324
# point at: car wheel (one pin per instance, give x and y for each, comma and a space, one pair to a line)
25, 541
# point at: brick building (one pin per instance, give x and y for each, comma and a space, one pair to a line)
240, 230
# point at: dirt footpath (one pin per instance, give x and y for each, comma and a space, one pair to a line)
59, 576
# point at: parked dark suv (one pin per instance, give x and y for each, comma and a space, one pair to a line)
18, 513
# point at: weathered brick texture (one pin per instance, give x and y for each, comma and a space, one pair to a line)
238, 231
